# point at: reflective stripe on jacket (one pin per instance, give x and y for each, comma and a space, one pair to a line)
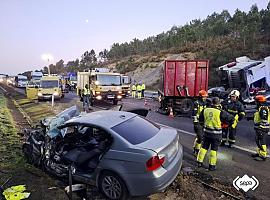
198, 108
262, 124
86, 91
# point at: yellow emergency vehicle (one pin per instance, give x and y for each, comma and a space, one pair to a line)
103, 85
32, 89
50, 85
125, 81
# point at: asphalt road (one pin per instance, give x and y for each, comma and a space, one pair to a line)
231, 162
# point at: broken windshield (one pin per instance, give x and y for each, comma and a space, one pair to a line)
59, 119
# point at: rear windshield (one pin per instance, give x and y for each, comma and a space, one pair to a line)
136, 130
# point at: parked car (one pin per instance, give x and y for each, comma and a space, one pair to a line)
122, 153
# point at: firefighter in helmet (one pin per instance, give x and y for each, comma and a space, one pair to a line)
233, 106
261, 126
199, 105
211, 118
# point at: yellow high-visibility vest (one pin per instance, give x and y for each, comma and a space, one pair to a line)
143, 86
261, 123
212, 123
133, 87
86, 91
139, 88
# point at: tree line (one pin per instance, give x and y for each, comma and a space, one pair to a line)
221, 37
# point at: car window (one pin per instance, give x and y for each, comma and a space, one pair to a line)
136, 130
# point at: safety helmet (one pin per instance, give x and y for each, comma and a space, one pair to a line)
260, 98
235, 93
203, 93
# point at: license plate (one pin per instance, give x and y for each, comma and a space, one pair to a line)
110, 97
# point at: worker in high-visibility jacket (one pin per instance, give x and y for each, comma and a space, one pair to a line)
199, 105
211, 118
261, 126
133, 92
143, 89
235, 108
139, 91
87, 98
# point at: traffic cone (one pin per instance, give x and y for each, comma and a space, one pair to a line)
171, 112
145, 102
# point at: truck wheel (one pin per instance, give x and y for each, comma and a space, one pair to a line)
115, 102
186, 106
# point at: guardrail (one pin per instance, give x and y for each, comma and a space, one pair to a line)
151, 94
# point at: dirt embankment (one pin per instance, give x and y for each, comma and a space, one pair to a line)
147, 69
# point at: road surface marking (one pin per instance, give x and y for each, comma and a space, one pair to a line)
193, 134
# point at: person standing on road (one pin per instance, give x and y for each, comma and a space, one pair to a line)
133, 88
87, 98
139, 91
235, 108
211, 118
143, 89
261, 126
199, 105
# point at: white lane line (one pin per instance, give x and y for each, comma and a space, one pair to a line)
3, 89
193, 134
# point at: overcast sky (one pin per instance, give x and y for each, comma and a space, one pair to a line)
67, 28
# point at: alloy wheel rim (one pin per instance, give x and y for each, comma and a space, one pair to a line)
112, 187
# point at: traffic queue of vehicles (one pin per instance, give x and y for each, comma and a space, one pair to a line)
104, 85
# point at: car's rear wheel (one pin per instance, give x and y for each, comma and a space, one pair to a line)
112, 186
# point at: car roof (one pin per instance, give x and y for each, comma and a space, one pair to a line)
106, 118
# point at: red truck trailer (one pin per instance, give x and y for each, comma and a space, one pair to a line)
181, 82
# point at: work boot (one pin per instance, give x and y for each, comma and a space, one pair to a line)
199, 164
231, 145
212, 168
263, 158
255, 155
222, 144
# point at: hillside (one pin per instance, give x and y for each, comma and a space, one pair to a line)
147, 68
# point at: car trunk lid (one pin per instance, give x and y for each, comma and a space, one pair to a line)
165, 143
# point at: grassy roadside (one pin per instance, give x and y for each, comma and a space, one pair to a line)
36, 111
10, 151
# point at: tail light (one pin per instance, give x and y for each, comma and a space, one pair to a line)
154, 163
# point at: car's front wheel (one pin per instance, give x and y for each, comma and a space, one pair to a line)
112, 186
